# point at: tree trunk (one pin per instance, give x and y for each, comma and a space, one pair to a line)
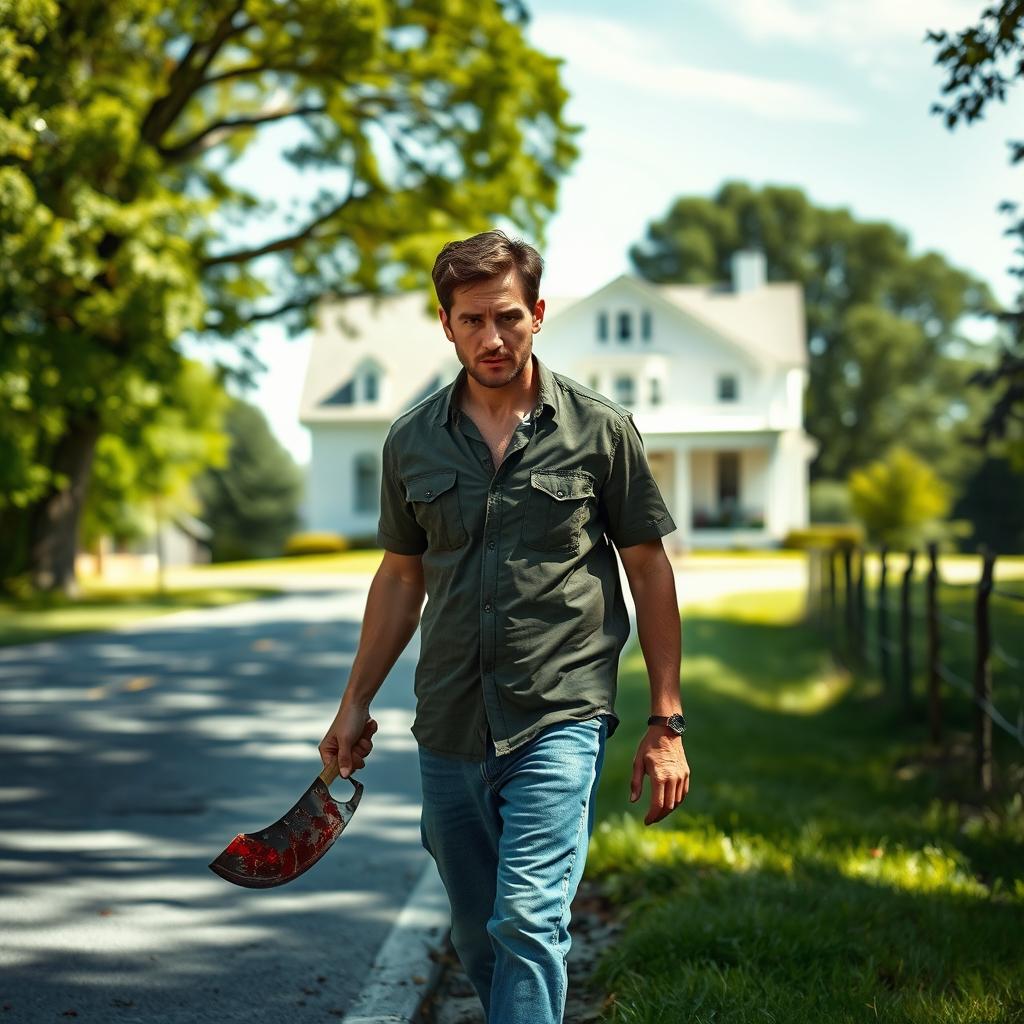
53, 538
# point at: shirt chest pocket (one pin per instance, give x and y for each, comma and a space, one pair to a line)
557, 506
434, 497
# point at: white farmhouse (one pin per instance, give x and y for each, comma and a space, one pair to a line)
713, 374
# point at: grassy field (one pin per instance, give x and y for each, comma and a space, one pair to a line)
821, 869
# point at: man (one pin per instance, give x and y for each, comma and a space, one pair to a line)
501, 496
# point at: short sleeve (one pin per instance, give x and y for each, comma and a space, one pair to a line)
633, 505
397, 529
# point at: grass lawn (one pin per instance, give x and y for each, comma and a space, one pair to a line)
104, 607
820, 869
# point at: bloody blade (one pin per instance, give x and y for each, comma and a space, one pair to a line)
293, 844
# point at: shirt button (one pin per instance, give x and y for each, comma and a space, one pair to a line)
559, 493
429, 493
487, 607
490, 545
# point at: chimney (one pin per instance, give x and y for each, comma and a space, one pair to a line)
748, 270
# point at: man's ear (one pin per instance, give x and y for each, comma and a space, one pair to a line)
538, 315
444, 323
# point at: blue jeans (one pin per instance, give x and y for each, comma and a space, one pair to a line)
510, 836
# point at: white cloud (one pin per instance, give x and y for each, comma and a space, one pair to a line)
852, 23
616, 53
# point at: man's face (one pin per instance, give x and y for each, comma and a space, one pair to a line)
492, 328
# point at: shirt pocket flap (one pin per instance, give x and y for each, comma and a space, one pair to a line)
428, 486
563, 486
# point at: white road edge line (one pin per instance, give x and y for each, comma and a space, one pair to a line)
390, 995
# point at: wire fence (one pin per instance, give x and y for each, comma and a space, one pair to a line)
904, 626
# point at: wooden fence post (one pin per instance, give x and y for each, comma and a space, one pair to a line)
862, 615
906, 659
883, 620
983, 675
934, 707
849, 609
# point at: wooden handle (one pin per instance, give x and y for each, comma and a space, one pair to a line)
330, 772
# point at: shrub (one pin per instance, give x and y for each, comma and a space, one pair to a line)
825, 535
315, 543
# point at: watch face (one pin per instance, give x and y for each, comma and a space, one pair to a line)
677, 722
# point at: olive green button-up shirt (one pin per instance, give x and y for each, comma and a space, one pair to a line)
525, 618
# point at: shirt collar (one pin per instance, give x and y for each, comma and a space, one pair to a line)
547, 393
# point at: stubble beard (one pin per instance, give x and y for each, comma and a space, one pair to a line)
491, 382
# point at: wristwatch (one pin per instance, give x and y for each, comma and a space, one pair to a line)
675, 722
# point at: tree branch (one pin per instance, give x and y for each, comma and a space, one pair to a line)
290, 241
216, 133
188, 76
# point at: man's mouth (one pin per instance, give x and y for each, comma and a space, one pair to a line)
493, 362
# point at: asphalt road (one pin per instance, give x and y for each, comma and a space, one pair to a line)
128, 761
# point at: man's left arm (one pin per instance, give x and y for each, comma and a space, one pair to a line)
660, 755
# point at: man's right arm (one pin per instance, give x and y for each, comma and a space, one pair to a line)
393, 608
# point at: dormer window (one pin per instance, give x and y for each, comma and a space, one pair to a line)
602, 326
371, 386
625, 326
728, 387
624, 392
645, 325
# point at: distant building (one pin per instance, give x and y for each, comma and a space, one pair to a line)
713, 374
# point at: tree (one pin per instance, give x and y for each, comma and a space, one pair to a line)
251, 503
118, 123
899, 499
982, 62
146, 470
886, 361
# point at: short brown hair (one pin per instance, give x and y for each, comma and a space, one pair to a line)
484, 256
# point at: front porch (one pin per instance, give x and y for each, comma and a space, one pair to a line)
729, 495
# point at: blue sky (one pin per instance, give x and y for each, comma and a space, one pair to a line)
678, 96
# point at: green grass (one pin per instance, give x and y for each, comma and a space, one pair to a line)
44, 617
820, 870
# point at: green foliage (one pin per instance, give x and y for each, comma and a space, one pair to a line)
899, 499
886, 360
119, 124
830, 502
251, 502
983, 61
993, 500
149, 464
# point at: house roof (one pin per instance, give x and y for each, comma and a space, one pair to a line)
403, 331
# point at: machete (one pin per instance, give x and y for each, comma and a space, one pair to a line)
282, 851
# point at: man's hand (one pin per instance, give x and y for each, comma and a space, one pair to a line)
348, 739
660, 756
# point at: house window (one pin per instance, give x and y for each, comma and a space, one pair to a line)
624, 390
602, 326
645, 325
371, 386
367, 484
625, 323
655, 392
728, 388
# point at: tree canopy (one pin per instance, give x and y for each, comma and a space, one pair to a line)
119, 122
887, 362
983, 61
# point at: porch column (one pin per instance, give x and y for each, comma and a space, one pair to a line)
682, 510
